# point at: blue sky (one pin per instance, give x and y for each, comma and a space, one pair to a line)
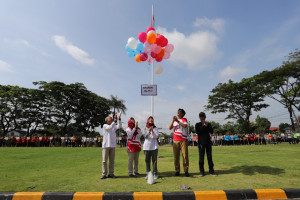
84, 41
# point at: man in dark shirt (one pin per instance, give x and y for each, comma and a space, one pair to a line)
203, 130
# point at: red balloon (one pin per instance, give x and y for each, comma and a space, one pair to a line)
153, 55
143, 56
158, 59
165, 42
159, 40
150, 29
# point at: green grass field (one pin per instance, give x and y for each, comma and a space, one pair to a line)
79, 169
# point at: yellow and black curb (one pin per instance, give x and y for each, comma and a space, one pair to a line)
189, 195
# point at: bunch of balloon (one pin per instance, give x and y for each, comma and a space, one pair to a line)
150, 46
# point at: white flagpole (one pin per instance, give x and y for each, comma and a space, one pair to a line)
152, 97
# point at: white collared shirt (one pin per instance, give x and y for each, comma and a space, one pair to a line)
109, 134
150, 139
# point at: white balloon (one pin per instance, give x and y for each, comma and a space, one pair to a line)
159, 69
132, 43
152, 31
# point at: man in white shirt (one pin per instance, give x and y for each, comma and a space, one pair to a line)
109, 144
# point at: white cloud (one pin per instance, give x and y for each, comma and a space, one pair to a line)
26, 43
198, 50
214, 24
77, 53
180, 87
230, 72
20, 42
270, 49
5, 66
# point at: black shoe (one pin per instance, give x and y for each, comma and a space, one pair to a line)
111, 176
137, 174
103, 177
213, 174
187, 174
132, 175
177, 174
201, 174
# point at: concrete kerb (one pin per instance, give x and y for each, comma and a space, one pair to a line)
188, 195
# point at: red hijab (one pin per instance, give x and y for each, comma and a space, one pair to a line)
131, 125
148, 125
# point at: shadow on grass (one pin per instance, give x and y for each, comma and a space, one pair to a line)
252, 170
244, 169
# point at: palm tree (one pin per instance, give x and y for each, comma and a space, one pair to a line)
117, 104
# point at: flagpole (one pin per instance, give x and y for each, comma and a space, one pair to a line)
152, 97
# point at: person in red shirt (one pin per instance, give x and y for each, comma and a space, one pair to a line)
179, 125
48, 142
13, 141
37, 141
73, 141
19, 142
24, 141
43, 141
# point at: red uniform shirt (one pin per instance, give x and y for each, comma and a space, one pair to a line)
180, 133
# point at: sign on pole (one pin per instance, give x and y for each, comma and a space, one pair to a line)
149, 90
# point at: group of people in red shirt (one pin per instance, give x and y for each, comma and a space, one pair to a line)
33, 141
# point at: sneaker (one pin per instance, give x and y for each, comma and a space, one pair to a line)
187, 174
155, 176
146, 177
137, 174
103, 177
201, 174
111, 176
213, 174
177, 174
132, 175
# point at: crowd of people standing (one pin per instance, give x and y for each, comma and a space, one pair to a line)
150, 147
254, 139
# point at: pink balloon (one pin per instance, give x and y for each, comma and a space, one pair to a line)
142, 37
147, 47
147, 51
170, 48
153, 46
150, 59
150, 29
167, 55
157, 49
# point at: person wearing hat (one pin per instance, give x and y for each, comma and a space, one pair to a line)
203, 130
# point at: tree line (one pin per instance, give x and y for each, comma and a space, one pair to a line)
240, 99
54, 108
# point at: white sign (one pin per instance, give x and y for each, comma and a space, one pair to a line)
149, 90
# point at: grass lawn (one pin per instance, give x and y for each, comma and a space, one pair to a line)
79, 169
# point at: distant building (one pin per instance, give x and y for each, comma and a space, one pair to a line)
274, 129
16, 134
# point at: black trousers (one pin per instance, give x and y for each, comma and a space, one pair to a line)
151, 154
208, 148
